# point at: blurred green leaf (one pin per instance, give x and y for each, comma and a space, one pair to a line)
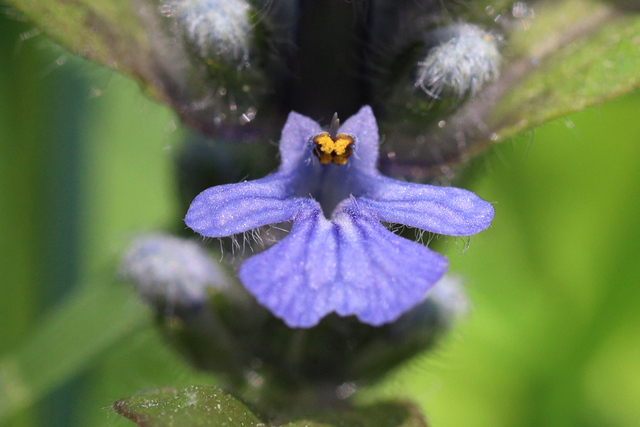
22, 160
568, 55
135, 38
195, 406
385, 414
571, 55
107, 32
582, 52
552, 337
306, 423
67, 341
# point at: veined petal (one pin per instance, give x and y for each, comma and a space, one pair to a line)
383, 274
364, 128
351, 265
443, 210
228, 209
294, 278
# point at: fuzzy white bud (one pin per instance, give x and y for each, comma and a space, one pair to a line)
219, 30
171, 272
449, 295
466, 59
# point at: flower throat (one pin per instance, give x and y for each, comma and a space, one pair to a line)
333, 150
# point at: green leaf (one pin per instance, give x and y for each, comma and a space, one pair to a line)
135, 38
385, 414
194, 406
212, 407
555, 286
107, 32
307, 423
67, 341
594, 56
573, 54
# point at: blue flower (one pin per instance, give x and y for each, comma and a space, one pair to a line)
338, 257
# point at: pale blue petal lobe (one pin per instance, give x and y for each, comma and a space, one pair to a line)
294, 278
364, 128
228, 209
351, 266
297, 133
443, 210
383, 274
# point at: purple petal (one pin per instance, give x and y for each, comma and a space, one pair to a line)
443, 210
351, 265
385, 275
228, 209
234, 208
294, 277
296, 135
364, 128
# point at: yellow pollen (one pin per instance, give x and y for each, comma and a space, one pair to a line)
329, 150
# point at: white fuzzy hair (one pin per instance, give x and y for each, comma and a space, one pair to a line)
465, 60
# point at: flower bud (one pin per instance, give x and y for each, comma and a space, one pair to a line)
170, 272
443, 304
218, 30
464, 60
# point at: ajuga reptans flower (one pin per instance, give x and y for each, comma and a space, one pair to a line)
338, 256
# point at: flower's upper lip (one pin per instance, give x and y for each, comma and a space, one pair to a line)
349, 264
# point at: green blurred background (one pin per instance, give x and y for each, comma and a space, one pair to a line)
552, 338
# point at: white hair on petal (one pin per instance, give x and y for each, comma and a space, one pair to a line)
466, 59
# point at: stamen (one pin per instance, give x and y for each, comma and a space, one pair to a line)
336, 150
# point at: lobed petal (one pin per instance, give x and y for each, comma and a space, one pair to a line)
385, 275
294, 277
351, 265
443, 210
364, 128
294, 143
234, 208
